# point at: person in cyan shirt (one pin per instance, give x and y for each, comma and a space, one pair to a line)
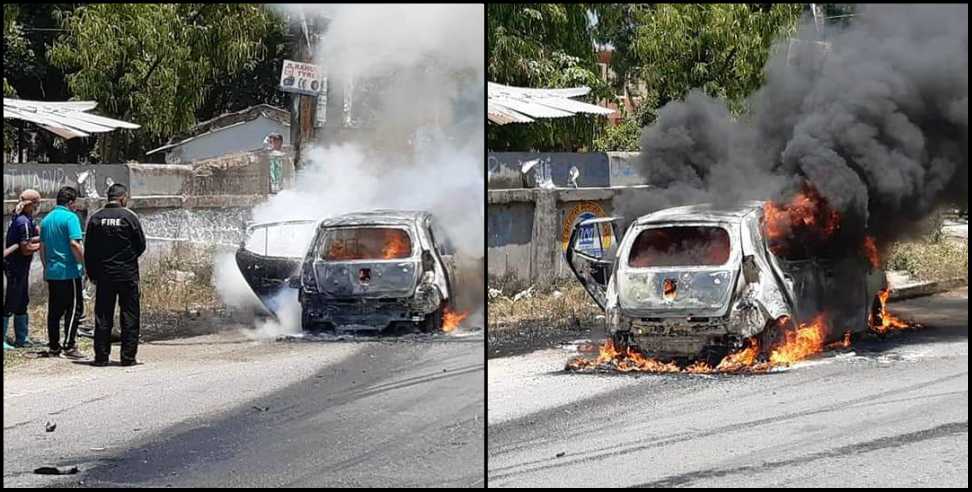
63, 256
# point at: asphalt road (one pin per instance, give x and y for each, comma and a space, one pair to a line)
889, 413
222, 410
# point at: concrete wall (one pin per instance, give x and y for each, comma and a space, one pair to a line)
527, 228
237, 138
623, 171
159, 179
208, 202
597, 169
48, 178
234, 174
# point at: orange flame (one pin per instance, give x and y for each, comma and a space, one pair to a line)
451, 320
396, 245
806, 217
887, 321
869, 248
801, 343
797, 344
669, 289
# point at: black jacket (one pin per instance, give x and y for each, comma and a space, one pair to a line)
113, 242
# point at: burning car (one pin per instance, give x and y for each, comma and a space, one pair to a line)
366, 269
699, 281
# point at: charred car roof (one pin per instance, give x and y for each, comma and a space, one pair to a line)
704, 212
392, 217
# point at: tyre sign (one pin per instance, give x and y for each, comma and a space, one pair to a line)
592, 240
301, 78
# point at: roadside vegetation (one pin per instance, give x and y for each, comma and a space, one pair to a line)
177, 297
933, 256
562, 305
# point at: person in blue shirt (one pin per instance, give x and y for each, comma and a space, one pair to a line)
63, 256
16, 266
9, 250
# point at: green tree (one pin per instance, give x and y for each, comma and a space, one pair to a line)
720, 48
157, 64
543, 45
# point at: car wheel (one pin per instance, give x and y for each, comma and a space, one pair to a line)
874, 317
432, 322
713, 354
307, 323
774, 335
622, 340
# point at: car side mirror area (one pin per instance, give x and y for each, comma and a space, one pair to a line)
750, 270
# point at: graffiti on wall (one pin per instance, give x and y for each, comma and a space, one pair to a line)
90, 180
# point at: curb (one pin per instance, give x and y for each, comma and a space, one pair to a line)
926, 288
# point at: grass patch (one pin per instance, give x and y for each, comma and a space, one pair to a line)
175, 287
564, 304
932, 255
180, 281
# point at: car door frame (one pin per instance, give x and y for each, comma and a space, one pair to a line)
597, 291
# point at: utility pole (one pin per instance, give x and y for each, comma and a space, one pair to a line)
303, 108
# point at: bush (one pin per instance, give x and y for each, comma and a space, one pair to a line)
933, 258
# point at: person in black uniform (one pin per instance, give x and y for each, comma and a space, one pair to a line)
112, 244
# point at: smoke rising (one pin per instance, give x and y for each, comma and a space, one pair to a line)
412, 135
876, 120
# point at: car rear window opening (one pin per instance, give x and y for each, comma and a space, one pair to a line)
366, 243
680, 246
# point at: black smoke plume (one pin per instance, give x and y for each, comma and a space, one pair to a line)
874, 116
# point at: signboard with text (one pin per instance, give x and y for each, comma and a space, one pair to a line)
301, 78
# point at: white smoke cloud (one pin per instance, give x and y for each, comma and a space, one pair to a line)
423, 149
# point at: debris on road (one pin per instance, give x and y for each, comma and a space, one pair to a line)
526, 294
50, 426
55, 470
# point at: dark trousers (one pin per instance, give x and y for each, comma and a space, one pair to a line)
64, 301
126, 293
15, 298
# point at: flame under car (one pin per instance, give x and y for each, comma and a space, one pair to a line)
698, 281
365, 270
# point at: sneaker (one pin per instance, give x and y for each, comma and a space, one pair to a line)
128, 363
50, 354
73, 353
29, 344
100, 363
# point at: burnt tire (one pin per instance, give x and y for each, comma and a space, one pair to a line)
773, 335
713, 354
432, 322
309, 325
875, 318
622, 341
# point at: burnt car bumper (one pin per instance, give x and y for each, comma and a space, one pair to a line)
370, 312
689, 336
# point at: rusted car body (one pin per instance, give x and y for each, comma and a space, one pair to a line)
363, 270
699, 280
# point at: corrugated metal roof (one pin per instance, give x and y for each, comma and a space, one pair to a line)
64, 119
507, 104
225, 121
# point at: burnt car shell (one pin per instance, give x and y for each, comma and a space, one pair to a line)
364, 292
734, 288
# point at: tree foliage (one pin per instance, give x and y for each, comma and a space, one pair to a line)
158, 64
720, 48
542, 45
